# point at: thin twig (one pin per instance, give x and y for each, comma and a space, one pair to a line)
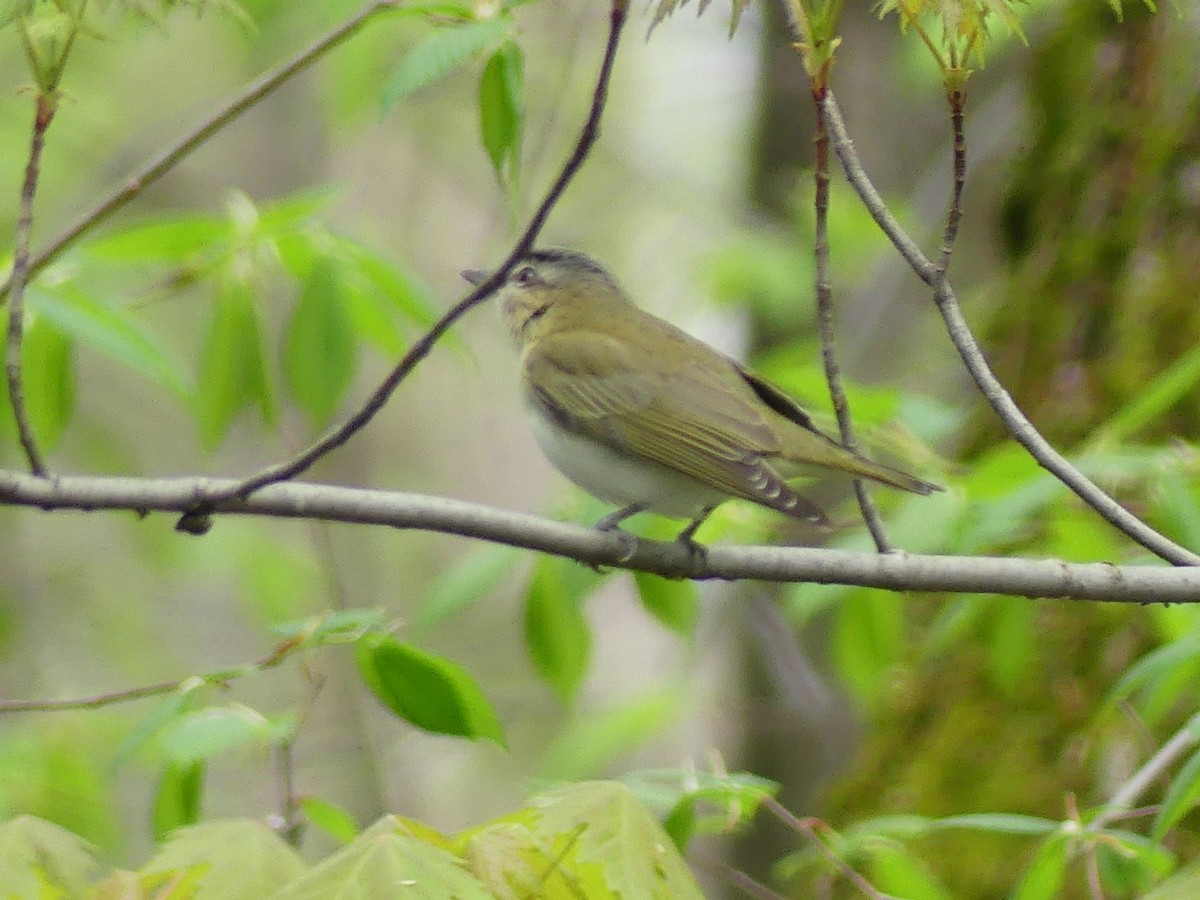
418, 351
281, 652
891, 571
171, 156
46, 104
1022, 430
833, 378
810, 828
1181, 742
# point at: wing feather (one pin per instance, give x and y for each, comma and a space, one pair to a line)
684, 417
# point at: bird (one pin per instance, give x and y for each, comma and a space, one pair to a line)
644, 416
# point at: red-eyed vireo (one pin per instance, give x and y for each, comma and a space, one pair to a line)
639, 413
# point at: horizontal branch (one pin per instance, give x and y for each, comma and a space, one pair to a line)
890, 571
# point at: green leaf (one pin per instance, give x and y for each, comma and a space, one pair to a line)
438, 55
392, 858
1155, 666
231, 859
170, 241
998, 823
1182, 796
330, 818
465, 583
111, 331
601, 823
897, 873
177, 798
1043, 880
1129, 863
1011, 642
673, 602
319, 351
502, 109
594, 740
1155, 399
41, 860
868, 637
556, 631
207, 732
171, 708
379, 288
428, 691
48, 377
233, 374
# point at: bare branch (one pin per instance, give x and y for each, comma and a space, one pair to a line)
1022, 430
833, 378
43, 116
895, 571
171, 156
419, 350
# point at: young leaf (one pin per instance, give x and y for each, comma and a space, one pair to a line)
111, 331
556, 631
204, 733
49, 381
464, 584
671, 601
330, 818
177, 798
41, 859
169, 241
602, 823
428, 691
502, 109
231, 859
1043, 880
389, 859
233, 371
319, 351
1182, 796
438, 55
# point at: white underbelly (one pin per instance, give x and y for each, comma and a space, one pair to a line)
620, 479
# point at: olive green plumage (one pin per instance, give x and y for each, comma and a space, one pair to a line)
640, 413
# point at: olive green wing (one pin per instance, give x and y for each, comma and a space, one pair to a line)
682, 413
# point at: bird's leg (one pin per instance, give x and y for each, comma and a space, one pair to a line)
612, 523
613, 519
687, 536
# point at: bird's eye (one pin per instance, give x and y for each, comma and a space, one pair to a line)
538, 313
525, 276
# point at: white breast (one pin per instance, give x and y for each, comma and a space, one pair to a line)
620, 479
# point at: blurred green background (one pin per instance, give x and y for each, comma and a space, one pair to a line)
1077, 265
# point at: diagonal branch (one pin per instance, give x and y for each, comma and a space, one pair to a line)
1022, 430
47, 102
171, 156
418, 351
890, 571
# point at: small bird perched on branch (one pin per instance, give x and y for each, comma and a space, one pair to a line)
641, 414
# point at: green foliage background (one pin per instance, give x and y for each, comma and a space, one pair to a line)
958, 746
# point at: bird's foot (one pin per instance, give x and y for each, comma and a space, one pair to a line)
697, 551
611, 524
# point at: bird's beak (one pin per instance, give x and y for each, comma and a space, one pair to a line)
475, 276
